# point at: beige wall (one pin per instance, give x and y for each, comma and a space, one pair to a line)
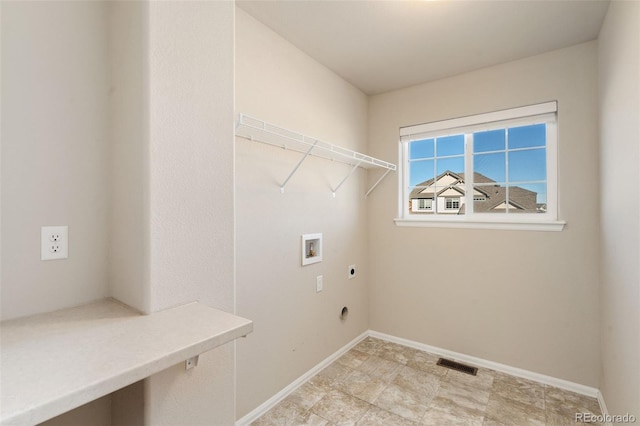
619, 71
55, 170
523, 298
191, 196
95, 413
54, 145
172, 202
129, 153
118, 121
191, 153
295, 327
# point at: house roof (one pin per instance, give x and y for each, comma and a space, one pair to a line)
495, 194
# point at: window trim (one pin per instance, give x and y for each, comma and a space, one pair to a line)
455, 222
545, 112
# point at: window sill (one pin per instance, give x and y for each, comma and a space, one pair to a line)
554, 226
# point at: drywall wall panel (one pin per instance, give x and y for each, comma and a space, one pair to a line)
127, 405
191, 153
129, 158
191, 216
523, 298
295, 327
619, 68
54, 150
95, 413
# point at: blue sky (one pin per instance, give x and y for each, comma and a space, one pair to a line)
516, 152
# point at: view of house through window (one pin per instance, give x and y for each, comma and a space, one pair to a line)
495, 168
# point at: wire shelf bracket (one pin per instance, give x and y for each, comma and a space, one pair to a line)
257, 130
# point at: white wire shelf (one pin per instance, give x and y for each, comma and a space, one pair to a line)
260, 131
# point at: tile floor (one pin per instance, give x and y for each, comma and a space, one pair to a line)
383, 383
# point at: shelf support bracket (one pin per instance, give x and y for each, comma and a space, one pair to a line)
353, 169
377, 182
191, 362
295, 169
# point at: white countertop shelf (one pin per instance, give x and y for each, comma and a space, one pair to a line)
54, 362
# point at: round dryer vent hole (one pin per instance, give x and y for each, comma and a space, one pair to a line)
344, 313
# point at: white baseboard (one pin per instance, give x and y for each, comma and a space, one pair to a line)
479, 362
275, 399
603, 408
514, 371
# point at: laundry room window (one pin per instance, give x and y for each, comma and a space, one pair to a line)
492, 170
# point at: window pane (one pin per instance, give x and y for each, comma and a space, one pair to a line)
528, 136
540, 189
450, 145
421, 149
526, 198
487, 197
455, 165
528, 165
522, 200
493, 140
491, 166
420, 171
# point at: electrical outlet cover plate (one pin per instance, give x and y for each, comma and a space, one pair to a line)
54, 242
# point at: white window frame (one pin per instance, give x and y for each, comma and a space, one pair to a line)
527, 115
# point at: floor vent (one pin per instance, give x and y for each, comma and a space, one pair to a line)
457, 366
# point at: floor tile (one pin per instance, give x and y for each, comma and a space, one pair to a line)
404, 403
445, 410
369, 345
283, 414
379, 383
352, 358
379, 417
463, 395
554, 419
417, 381
439, 415
567, 404
427, 362
482, 380
329, 378
395, 352
311, 419
509, 412
340, 408
306, 395
382, 369
519, 389
363, 386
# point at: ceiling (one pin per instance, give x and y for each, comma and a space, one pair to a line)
384, 45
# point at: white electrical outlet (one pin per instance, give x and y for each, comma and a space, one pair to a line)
352, 271
319, 285
54, 242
